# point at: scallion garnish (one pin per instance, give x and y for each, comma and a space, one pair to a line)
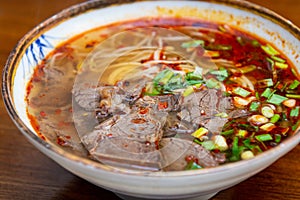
278, 59
200, 132
163, 77
270, 50
195, 75
294, 84
265, 83
208, 145
254, 106
247, 69
276, 99
295, 126
281, 65
267, 93
294, 96
277, 138
295, 112
241, 91
264, 137
221, 74
255, 43
275, 118
235, 150
193, 44
212, 83
229, 132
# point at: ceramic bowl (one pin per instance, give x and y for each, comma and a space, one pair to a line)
130, 184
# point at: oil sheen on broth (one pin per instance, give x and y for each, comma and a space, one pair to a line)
245, 105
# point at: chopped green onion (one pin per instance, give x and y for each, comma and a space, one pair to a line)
189, 90
268, 127
294, 85
192, 44
235, 150
278, 59
247, 69
272, 63
294, 72
267, 93
264, 137
275, 118
200, 132
254, 106
221, 74
163, 77
270, 50
222, 115
295, 126
295, 112
255, 43
281, 65
277, 138
229, 132
265, 83
257, 95
195, 75
242, 133
247, 143
276, 99
176, 82
294, 96
212, 83
192, 165
241, 91
151, 90
208, 145
240, 40
267, 111
211, 53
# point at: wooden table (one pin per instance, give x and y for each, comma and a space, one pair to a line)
25, 173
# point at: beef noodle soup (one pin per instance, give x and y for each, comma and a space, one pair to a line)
184, 95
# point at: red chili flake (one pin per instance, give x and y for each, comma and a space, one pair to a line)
68, 137
43, 114
90, 44
71, 110
144, 110
60, 141
138, 121
162, 105
109, 135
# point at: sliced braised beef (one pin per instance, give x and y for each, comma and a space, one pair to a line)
205, 108
199, 153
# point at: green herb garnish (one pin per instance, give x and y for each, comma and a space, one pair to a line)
264, 137
276, 99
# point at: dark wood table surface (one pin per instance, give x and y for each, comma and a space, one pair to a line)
25, 173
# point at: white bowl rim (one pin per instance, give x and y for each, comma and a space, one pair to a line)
85, 7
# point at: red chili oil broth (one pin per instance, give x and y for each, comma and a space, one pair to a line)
60, 130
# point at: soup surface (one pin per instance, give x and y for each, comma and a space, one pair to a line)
165, 94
